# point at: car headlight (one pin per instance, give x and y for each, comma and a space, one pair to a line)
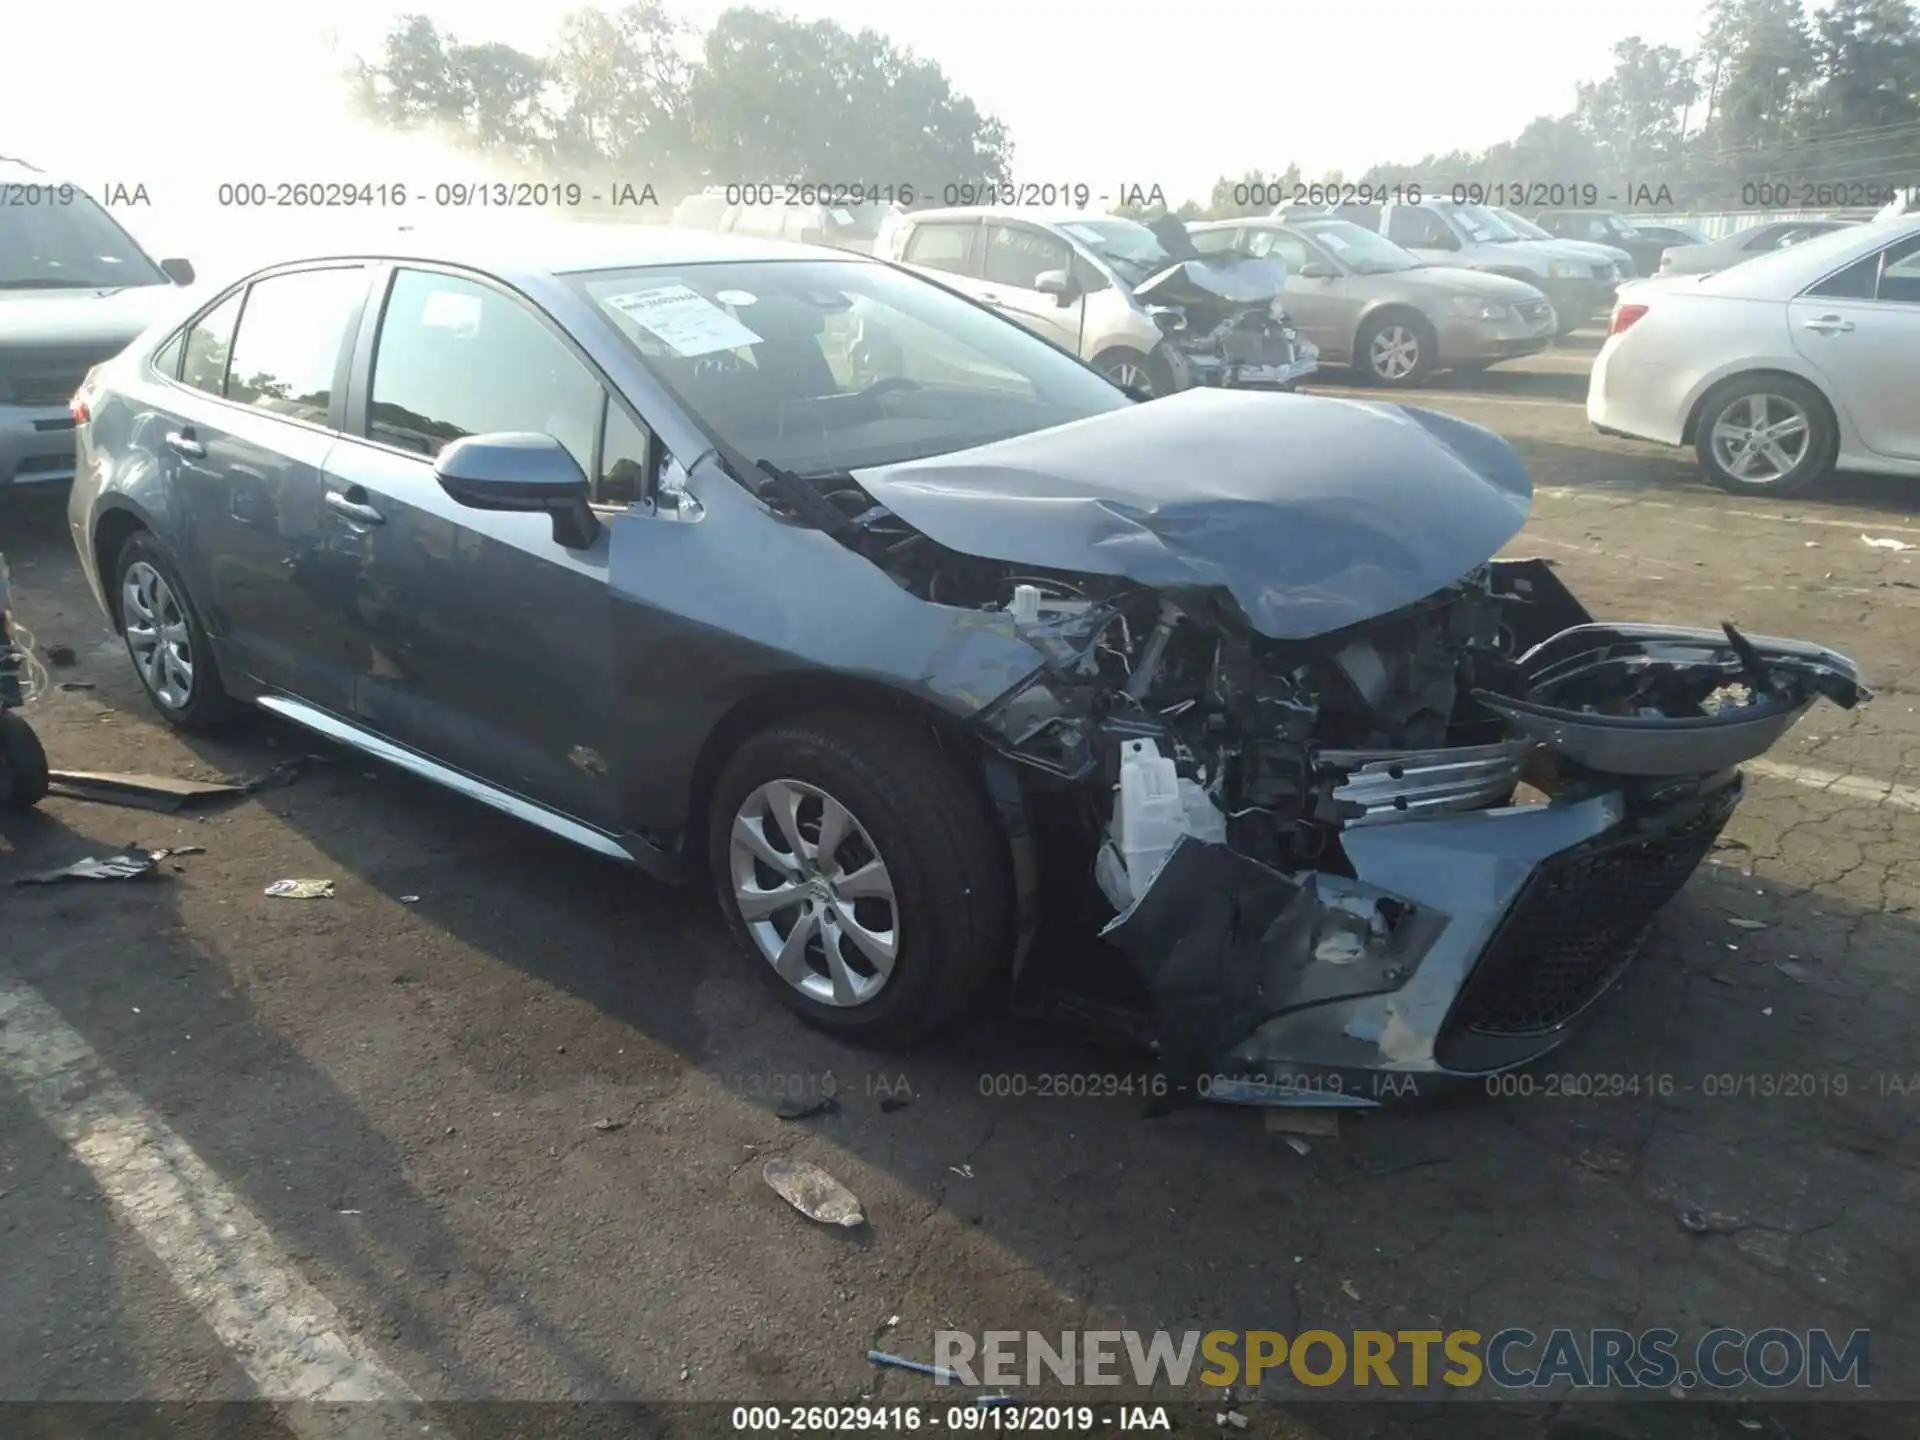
1567, 270
1473, 308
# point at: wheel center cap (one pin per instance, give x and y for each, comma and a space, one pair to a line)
818, 889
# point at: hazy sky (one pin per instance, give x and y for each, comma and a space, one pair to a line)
184, 95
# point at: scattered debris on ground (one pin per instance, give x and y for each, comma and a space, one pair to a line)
136, 862
1742, 924
813, 1192
1346, 1288
301, 889
61, 655
609, 1125
891, 1103
799, 1107
1708, 1222
1303, 1120
1230, 1417
920, 1367
71, 685
965, 1172
138, 792
1879, 542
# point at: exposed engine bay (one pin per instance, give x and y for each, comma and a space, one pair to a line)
1356, 798
1226, 319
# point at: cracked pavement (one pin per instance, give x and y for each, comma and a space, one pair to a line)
403, 1082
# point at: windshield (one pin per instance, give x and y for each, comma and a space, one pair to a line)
1524, 228
1358, 248
1482, 225
820, 366
1134, 251
1619, 227
55, 236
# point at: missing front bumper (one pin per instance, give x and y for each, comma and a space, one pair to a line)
1461, 946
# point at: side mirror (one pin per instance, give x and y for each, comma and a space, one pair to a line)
1318, 270
516, 470
1059, 284
179, 271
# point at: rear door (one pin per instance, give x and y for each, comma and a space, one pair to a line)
480, 641
1013, 258
258, 402
1861, 327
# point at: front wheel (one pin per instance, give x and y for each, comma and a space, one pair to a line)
1130, 370
863, 873
1395, 350
1766, 434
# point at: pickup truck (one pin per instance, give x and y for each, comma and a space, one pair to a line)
1449, 232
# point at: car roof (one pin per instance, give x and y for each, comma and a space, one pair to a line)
1035, 214
560, 247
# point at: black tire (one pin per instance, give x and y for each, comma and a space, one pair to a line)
1159, 380
207, 706
938, 839
23, 764
1416, 332
1815, 460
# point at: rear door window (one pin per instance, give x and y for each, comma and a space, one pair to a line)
287, 351
941, 247
208, 344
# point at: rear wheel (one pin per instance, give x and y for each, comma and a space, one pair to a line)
165, 639
863, 873
23, 764
1765, 434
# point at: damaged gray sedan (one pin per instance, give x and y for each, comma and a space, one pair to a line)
936, 674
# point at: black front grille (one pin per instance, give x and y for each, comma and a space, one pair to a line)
1579, 922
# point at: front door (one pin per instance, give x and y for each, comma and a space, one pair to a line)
256, 410
1013, 259
1324, 308
481, 641
1861, 327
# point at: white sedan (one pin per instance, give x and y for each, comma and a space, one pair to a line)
1779, 369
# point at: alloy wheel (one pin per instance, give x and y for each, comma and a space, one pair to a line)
1766, 443
1130, 376
157, 635
814, 893
1394, 352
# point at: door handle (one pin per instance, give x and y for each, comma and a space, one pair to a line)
1828, 325
343, 502
181, 442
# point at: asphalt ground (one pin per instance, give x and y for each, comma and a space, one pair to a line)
488, 1125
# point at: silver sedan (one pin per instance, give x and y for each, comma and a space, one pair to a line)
1369, 304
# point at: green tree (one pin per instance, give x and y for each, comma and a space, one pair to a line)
620, 91
1257, 193
781, 99
1862, 116
490, 95
1634, 116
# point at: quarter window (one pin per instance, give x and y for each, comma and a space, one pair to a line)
204, 357
288, 348
456, 358
625, 452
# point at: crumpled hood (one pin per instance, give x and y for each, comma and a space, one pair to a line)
1313, 513
1200, 282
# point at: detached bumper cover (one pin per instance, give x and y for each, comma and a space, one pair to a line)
1469, 940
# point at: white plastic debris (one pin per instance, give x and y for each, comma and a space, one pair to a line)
1882, 542
1153, 809
301, 889
813, 1192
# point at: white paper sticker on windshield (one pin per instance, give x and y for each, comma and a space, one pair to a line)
1339, 244
841, 217
686, 322
733, 297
